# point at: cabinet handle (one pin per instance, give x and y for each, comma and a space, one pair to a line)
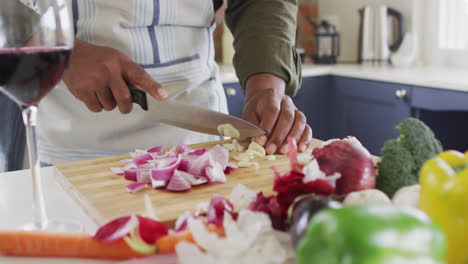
230, 92
401, 94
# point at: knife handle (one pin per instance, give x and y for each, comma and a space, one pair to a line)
139, 97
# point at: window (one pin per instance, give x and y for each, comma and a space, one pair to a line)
453, 24
446, 32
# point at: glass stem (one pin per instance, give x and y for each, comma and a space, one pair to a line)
39, 212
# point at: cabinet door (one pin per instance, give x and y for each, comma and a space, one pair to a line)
445, 112
313, 100
368, 110
235, 98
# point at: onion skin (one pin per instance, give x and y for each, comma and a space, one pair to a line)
351, 160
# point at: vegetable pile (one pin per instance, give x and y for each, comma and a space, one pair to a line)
176, 170
325, 209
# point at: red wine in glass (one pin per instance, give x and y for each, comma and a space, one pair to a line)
28, 74
35, 47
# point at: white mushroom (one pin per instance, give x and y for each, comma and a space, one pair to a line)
370, 196
407, 196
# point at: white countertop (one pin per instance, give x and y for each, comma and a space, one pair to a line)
434, 77
16, 209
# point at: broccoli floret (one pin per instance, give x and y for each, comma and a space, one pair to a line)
419, 140
403, 157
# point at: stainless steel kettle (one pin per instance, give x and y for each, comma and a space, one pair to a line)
381, 33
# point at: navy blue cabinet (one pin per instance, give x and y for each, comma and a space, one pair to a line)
367, 110
235, 98
313, 100
446, 112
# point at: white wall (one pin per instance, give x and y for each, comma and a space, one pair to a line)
346, 12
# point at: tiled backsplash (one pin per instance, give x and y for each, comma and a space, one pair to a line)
305, 30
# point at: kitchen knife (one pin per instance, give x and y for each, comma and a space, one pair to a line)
192, 117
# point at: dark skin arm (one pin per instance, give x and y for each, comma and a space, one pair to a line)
267, 106
99, 77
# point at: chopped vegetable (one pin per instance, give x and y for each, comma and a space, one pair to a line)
217, 209
249, 239
234, 146
149, 229
444, 196
227, 130
377, 234
351, 160
178, 183
271, 157
130, 175
191, 167
136, 187
241, 197
403, 157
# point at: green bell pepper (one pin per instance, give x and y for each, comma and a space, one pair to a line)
373, 234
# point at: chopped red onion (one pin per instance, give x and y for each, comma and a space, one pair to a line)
143, 176
136, 187
178, 183
157, 150
130, 175
117, 170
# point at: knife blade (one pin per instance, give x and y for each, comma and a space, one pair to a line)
193, 118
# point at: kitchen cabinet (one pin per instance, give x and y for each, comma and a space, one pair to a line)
446, 112
235, 98
367, 110
312, 99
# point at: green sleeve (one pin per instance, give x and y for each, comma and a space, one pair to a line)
264, 40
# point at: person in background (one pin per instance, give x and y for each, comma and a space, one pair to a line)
165, 47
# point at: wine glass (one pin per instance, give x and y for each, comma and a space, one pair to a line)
36, 41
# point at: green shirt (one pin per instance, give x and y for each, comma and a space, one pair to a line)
264, 39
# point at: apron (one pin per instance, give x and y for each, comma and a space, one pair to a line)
172, 41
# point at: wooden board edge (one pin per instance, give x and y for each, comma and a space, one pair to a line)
81, 200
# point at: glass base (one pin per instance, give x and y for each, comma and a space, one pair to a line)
55, 226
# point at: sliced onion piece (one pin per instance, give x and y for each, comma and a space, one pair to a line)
220, 155
215, 174
143, 176
117, 170
142, 159
157, 150
130, 175
165, 174
192, 179
136, 187
115, 229
178, 183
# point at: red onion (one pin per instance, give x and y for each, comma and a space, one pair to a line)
349, 158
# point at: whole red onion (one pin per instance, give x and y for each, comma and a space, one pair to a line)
349, 158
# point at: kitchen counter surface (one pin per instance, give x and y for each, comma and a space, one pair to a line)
16, 209
435, 77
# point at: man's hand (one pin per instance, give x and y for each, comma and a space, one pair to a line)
268, 107
99, 77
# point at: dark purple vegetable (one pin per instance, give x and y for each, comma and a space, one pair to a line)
304, 209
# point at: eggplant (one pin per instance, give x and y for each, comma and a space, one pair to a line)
303, 210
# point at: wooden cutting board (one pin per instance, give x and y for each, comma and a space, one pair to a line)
103, 196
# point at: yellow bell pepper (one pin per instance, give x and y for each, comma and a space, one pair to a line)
444, 196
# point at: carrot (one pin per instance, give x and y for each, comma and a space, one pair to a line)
168, 243
72, 245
